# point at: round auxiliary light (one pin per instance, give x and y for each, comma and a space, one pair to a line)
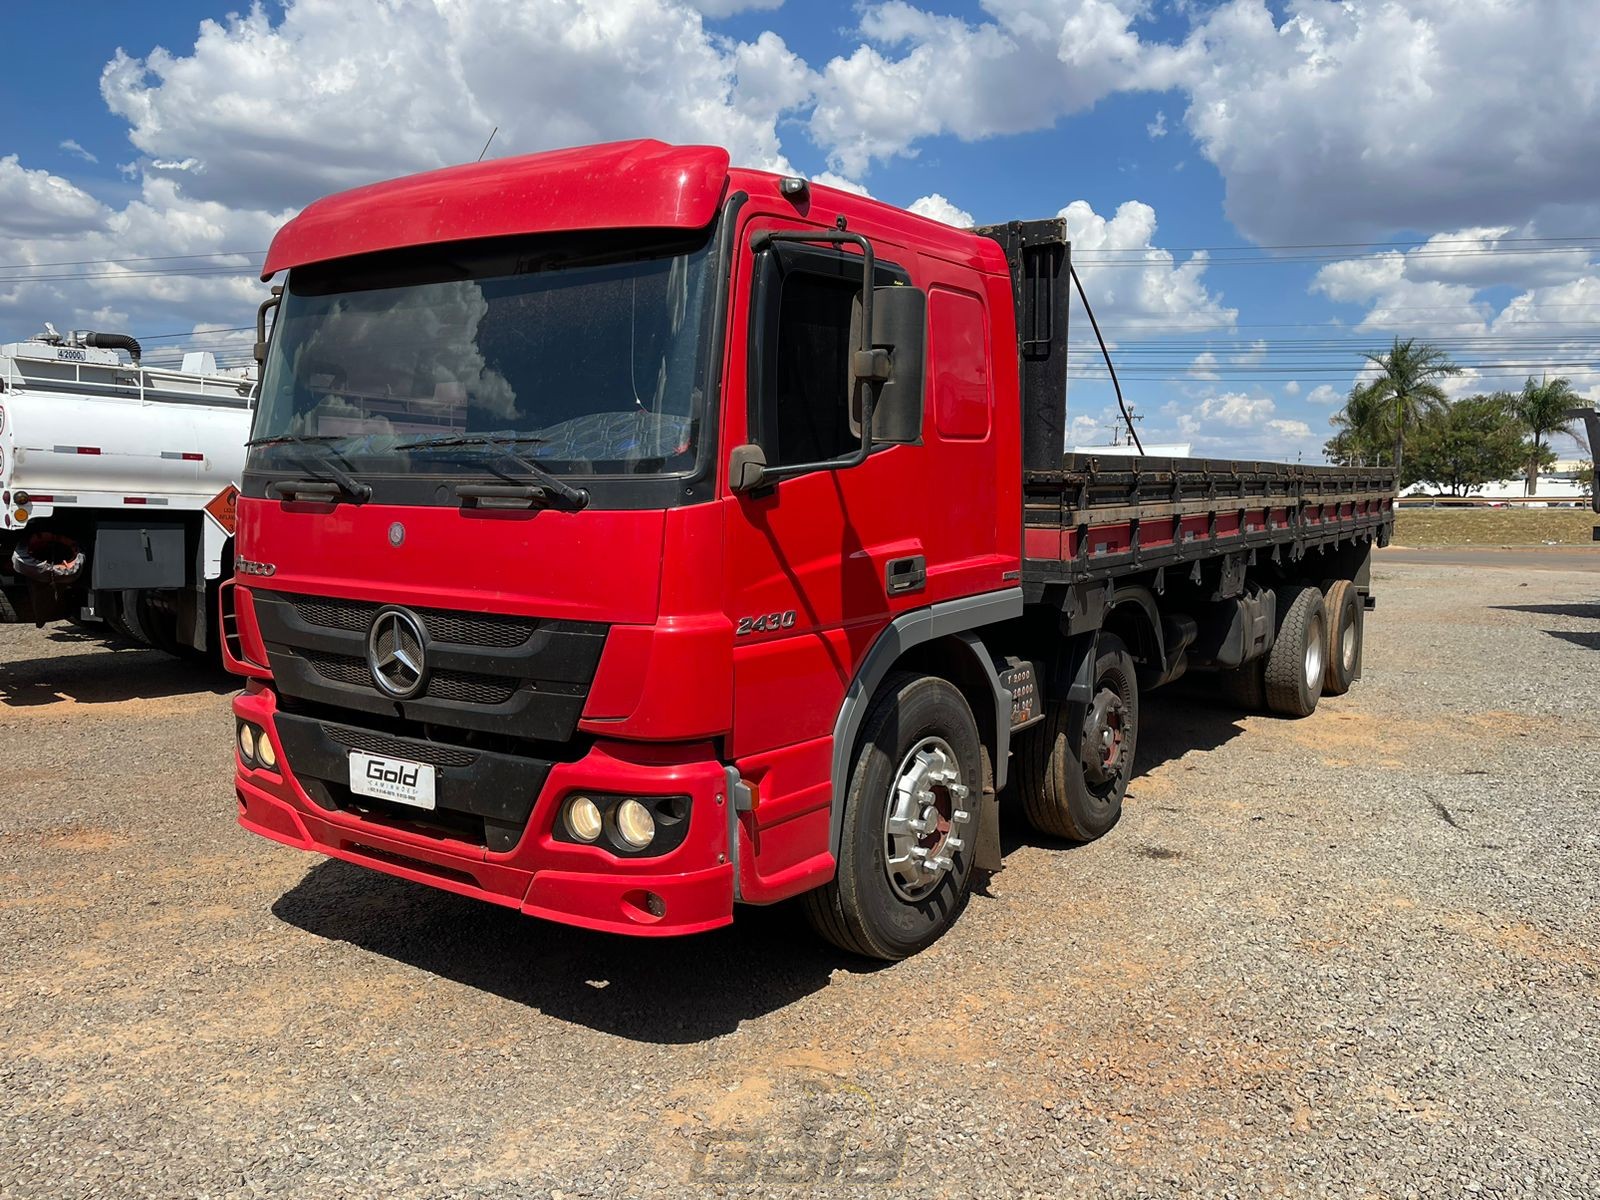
247, 742
265, 753
635, 824
582, 818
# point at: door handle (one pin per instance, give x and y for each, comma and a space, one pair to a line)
903, 575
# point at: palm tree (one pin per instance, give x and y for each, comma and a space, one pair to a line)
1405, 381
1362, 427
1543, 409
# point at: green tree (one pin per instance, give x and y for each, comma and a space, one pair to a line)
1406, 384
1361, 429
1542, 408
1460, 447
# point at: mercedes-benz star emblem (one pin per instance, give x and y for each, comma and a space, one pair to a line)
397, 653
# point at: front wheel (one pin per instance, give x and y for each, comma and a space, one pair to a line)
1073, 769
910, 823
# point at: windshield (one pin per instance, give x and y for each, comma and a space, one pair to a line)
579, 357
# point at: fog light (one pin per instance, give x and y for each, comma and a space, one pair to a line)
635, 824
247, 742
582, 818
265, 753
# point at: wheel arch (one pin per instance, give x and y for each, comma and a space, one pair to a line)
943, 639
1134, 617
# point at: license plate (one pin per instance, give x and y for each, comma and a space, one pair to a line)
392, 779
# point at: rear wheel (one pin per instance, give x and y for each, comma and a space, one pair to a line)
1244, 687
1297, 662
1343, 612
910, 823
1073, 770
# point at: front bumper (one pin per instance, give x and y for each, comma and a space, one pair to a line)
687, 889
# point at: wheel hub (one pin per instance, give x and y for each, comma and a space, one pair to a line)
928, 819
1104, 743
1314, 663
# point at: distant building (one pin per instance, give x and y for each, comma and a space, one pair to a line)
1564, 483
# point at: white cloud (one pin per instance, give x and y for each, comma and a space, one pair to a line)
37, 204
337, 94
726, 8
829, 179
1289, 428
1399, 302
1363, 116
1131, 282
1158, 127
1235, 410
71, 146
1254, 356
919, 73
938, 208
1324, 396
1204, 366
1292, 388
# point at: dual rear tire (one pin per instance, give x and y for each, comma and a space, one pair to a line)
1316, 652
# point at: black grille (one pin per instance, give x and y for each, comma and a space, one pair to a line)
340, 669
462, 687
460, 629
516, 677
468, 688
412, 749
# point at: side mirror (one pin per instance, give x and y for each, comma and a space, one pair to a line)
893, 368
747, 468
259, 353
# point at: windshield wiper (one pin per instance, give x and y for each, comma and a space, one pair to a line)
285, 439
550, 485
328, 483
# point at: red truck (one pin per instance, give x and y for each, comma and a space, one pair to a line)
625, 538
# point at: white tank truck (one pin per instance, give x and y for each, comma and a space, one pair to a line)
118, 482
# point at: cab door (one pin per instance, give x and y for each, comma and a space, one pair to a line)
818, 563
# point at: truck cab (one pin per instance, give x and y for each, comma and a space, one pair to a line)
626, 536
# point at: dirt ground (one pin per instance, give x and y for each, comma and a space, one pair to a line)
1356, 954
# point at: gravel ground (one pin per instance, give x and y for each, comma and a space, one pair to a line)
1351, 955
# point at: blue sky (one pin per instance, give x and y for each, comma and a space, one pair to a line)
1253, 186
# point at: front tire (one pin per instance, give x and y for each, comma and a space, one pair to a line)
1073, 783
910, 823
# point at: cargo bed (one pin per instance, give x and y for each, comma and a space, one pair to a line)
1104, 516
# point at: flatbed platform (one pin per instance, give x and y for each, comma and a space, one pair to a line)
1104, 516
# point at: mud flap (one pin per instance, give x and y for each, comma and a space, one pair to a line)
986, 854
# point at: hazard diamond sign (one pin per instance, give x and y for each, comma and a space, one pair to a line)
223, 508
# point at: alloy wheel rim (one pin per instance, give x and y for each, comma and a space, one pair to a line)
928, 819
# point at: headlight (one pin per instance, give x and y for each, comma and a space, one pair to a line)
265, 753
582, 817
247, 742
635, 824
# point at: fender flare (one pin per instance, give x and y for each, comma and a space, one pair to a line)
946, 619
1141, 596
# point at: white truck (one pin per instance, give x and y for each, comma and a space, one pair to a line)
118, 482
